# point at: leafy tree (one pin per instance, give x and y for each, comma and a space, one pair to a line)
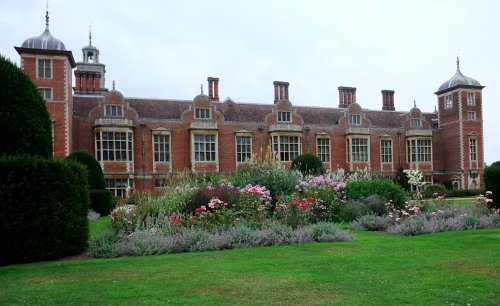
401, 179
492, 182
24, 119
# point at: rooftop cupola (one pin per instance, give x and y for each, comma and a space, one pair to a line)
45, 40
458, 80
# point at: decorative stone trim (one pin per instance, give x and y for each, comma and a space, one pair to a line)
418, 133
114, 122
285, 127
357, 130
203, 125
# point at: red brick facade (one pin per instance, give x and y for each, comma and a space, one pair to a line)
139, 142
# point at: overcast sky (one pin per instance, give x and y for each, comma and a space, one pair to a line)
166, 49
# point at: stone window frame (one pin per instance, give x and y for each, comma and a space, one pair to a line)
278, 148
113, 110
202, 113
386, 153
213, 153
473, 148
448, 101
418, 151
471, 98
156, 143
284, 116
471, 115
46, 93
323, 151
44, 71
243, 151
118, 186
415, 123
354, 119
350, 145
128, 142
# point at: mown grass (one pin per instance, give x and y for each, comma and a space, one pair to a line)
451, 268
99, 227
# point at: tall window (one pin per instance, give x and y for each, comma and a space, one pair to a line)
448, 101
118, 186
46, 93
243, 149
44, 69
471, 100
415, 123
161, 147
287, 147
113, 111
204, 147
357, 150
114, 146
419, 150
386, 150
323, 149
471, 115
284, 117
202, 113
355, 119
473, 149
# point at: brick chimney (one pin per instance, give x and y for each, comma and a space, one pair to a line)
280, 90
213, 88
388, 100
347, 96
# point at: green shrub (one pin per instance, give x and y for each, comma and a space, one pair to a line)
457, 193
402, 179
352, 211
95, 174
430, 190
24, 119
385, 189
43, 209
492, 182
308, 164
101, 201
277, 180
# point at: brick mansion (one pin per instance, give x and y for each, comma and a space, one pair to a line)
141, 142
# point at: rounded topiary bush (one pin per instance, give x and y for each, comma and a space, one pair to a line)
101, 200
430, 190
385, 189
24, 119
95, 174
43, 209
492, 182
308, 164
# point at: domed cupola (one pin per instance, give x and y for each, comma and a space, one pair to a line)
45, 40
458, 80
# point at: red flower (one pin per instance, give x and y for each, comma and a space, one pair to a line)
309, 199
200, 209
193, 218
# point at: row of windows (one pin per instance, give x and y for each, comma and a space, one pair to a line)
118, 146
471, 100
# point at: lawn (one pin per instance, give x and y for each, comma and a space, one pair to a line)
450, 268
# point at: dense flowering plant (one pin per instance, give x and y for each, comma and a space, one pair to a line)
415, 178
123, 218
329, 192
254, 203
486, 201
297, 212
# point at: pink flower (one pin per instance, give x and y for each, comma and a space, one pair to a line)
489, 193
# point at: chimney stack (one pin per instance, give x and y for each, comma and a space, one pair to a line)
213, 88
388, 100
280, 90
347, 96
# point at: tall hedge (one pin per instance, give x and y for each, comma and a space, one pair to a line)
43, 209
492, 182
24, 119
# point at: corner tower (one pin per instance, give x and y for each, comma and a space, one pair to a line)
89, 74
460, 115
46, 61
